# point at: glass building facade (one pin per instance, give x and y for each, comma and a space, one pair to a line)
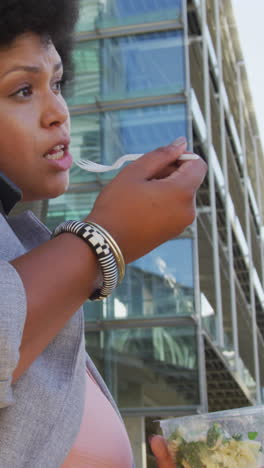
184, 332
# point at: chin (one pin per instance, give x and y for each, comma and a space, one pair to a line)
49, 192
56, 192
58, 186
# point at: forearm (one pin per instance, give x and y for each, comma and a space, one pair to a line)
58, 277
148, 211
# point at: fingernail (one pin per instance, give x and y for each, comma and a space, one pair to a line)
179, 142
188, 157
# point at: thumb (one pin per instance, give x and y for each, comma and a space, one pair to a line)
190, 174
151, 164
160, 450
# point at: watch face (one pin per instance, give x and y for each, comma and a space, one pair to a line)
10, 194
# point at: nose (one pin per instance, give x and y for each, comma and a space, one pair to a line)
55, 111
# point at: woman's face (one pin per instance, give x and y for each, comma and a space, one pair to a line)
34, 119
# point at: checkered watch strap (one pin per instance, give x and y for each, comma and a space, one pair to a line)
99, 244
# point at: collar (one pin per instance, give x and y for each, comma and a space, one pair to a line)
10, 194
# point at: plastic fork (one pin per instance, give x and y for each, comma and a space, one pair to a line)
92, 166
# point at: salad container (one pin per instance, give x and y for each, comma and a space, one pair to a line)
224, 439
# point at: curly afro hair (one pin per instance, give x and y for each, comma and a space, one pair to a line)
51, 19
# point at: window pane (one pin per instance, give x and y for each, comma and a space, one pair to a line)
109, 13
148, 367
128, 67
106, 136
69, 206
159, 284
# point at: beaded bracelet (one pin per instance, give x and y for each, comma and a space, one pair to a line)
106, 249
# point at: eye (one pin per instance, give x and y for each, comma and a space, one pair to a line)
57, 86
24, 92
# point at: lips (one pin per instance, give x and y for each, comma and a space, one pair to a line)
57, 151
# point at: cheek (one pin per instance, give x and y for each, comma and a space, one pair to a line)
15, 147
13, 139
15, 126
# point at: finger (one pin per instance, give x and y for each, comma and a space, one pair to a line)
190, 174
160, 450
154, 162
166, 171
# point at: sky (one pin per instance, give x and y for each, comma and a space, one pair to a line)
249, 16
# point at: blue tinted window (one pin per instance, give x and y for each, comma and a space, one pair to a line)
133, 7
144, 129
158, 284
153, 63
110, 13
107, 136
128, 67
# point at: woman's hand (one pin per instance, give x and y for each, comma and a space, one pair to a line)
160, 450
150, 201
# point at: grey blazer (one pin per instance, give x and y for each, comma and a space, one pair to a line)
40, 415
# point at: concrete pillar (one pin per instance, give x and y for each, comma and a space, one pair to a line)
135, 426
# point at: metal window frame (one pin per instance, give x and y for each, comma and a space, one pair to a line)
128, 30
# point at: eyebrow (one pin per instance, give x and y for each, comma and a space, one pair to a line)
30, 69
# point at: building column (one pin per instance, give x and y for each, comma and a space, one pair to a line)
226, 177
135, 426
252, 306
260, 206
209, 148
196, 280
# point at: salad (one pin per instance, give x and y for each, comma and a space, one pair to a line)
215, 448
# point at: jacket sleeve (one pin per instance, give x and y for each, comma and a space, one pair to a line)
13, 310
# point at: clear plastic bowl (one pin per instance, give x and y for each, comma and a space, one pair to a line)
225, 439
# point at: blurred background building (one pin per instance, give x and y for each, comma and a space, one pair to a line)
185, 331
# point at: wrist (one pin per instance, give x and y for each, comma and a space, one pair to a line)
112, 230
105, 249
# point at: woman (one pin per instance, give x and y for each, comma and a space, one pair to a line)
51, 395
